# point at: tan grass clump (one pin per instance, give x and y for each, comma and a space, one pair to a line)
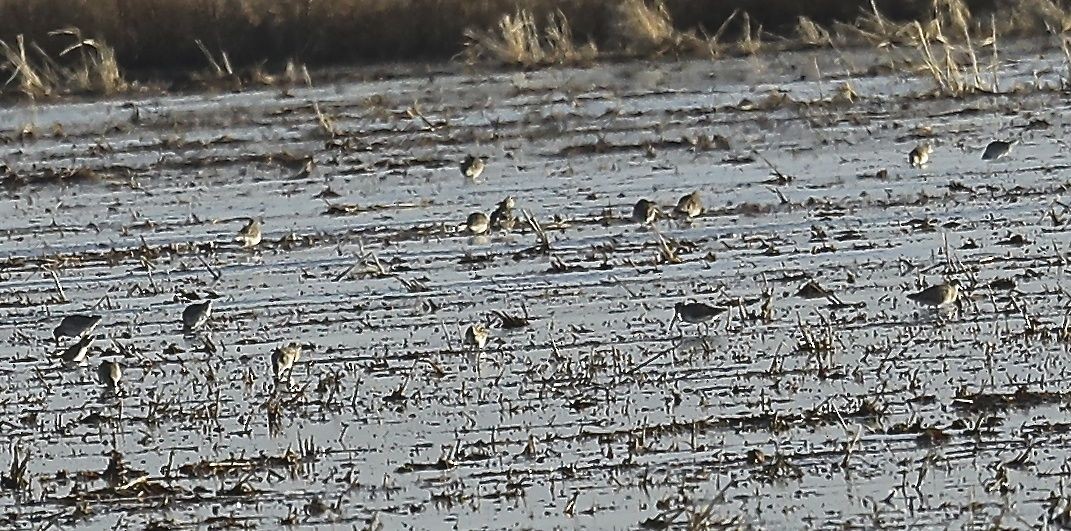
94, 68
810, 33
518, 41
943, 45
644, 29
98, 70
750, 44
1027, 16
954, 67
647, 30
562, 46
29, 75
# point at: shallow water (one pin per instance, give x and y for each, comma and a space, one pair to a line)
597, 414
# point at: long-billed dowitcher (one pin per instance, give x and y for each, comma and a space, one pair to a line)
689, 206
937, 295
477, 223
920, 156
472, 166
76, 353
998, 149
75, 325
250, 234
284, 358
695, 312
644, 212
196, 315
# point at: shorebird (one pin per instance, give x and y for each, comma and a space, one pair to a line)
76, 353
109, 373
472, 167
998, 149
75, 325
250, 234
502, 218
284, 358
689, 206
920, 156
477, 223
196, 315
645, 212
937, 295
695, 312
476, 336
508, 203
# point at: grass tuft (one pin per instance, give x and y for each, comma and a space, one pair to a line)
518, 41
97, 71
939, 38
811, 34
93, 69
644, 29
29, 78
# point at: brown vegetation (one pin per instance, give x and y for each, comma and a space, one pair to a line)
43, 55
163, 33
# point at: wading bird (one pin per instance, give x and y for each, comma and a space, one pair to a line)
250, 234
696, 313
689, 206
196, 315
75, 325
645, 212
920, 156
477, 223
472, 167
284, 358
938, 295
998, 149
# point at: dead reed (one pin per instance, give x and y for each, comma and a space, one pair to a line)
519, 41
163, 33
44, 55
34, 73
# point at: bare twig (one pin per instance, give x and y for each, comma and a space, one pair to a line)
211, 270
59, 287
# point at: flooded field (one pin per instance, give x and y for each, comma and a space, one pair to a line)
821, 397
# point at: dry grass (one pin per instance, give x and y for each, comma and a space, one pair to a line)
27, 76
88, 66
518, 41
941, 36
1027, 16
950, 58
1065, 47
812, 34
645, 29
942, 46
97, 69
750, 44
161, 34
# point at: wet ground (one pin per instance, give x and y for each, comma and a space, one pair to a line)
856, 408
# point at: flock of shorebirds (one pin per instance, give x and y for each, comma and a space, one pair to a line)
644, 212
948, 292
194, 317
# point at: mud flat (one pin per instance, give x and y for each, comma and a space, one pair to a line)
854, 408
